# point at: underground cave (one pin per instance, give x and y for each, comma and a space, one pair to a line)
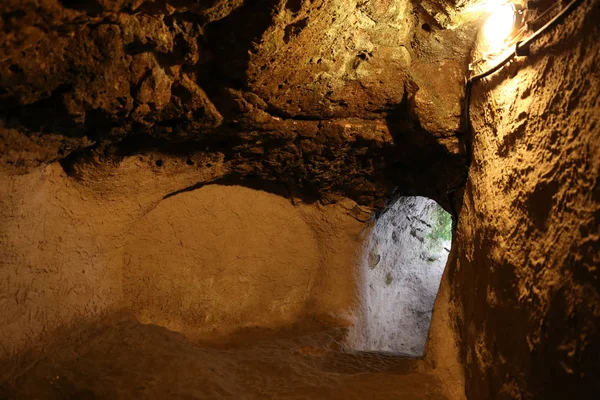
299, 199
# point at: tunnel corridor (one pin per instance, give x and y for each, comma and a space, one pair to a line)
299, 199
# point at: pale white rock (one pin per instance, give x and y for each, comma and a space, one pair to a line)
402, 264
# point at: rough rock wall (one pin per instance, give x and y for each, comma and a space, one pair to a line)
67, 250
328, 96
401, 267
523, 281
58, 261
61, 244
137, 100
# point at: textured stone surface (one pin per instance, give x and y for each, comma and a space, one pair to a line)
524, 280
74, 253
125, 358
346, 97
402, 263
110, 107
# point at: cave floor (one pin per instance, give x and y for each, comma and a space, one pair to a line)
126, 360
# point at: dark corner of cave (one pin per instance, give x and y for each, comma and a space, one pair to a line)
299, 199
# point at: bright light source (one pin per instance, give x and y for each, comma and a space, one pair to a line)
499, 26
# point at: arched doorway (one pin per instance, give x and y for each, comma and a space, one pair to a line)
402, 264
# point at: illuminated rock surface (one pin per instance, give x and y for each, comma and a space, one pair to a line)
401, 268
525, 273
211, 166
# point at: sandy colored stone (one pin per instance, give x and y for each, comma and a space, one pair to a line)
523, 281
76, 251
223, 258
113, 112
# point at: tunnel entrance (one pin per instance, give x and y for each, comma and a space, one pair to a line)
403, 260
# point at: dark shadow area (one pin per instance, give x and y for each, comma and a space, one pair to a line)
294, 5
230, 41
419, 156
91, 7
47, 115
253, 182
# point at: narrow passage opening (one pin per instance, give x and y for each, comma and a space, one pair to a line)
403, 260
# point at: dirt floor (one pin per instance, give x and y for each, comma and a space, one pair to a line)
129, 360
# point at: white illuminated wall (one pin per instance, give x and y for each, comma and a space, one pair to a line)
404, 258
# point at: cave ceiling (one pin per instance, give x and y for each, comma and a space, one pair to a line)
350, 97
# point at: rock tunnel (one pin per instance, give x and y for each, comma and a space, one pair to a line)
207, 199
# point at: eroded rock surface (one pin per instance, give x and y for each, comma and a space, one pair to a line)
346, 97
110, 109
524, 280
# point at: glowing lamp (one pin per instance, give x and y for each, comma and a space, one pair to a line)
499, 26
